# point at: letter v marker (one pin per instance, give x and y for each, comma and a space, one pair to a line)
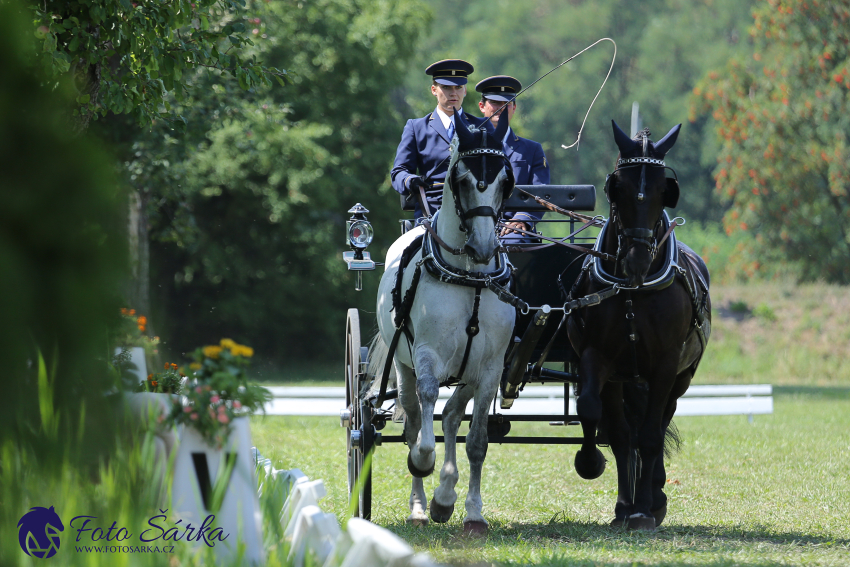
202, 470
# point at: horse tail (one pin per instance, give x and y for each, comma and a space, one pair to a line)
378, 352
672, 440
635, 402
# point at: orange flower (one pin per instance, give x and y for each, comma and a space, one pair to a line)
173, 366
124, 311
153, 383
142, 320
166, 365
131, 312
150, 376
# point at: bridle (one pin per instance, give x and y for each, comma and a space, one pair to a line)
627, 238
483, 211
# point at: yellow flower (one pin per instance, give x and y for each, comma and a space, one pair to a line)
212, 351
195, 366
242, 350
228, 343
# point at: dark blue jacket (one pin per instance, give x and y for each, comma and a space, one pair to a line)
424, 151
530, 168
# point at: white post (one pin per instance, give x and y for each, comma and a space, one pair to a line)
635, 118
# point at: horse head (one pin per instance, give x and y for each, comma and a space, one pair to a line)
480, 179
638, 191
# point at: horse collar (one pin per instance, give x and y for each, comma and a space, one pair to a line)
659, 280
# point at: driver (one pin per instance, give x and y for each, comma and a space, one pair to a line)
422, 156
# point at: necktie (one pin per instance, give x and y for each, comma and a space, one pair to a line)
451, 129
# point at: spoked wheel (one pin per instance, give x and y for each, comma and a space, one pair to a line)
356, 418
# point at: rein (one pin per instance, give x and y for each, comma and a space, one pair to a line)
591, 252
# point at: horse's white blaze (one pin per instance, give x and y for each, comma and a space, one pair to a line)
438, 319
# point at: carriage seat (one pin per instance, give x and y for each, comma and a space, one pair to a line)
569, 197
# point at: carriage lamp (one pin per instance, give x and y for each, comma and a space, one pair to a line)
359, 235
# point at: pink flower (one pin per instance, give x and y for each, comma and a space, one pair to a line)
221, 409
215, 399
198, 390
222, 417
194, 416
236, 404
187, 409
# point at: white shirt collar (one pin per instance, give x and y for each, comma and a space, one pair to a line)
445, 118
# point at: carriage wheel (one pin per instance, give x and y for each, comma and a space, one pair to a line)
357, 413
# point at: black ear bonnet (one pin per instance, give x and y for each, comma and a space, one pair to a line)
642, 152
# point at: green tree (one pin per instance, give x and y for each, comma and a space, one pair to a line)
783, 118
664, 48
62, 256
127, 57
247, 211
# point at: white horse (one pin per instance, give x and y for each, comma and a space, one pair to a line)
441, 320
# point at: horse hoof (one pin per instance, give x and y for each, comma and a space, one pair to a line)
641, 522
660, 514
618, 523
441, 514
475, 528
588, 470
419, 521
416, 472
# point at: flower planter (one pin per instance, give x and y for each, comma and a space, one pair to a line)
139, 360
198, 468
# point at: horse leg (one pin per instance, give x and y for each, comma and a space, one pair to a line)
408, 400
476, 450
619, 437
443, 502
589, 462
651, 445
659, 474
421, 458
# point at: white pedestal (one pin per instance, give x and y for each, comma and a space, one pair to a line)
196, 470
138, 359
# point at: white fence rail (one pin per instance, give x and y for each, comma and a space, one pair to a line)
749, 400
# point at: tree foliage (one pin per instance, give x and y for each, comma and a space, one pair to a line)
783, 118
127, 57
248, 206
664, 48
62, 255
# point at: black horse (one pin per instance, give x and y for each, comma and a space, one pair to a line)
640, 348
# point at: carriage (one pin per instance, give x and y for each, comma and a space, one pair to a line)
625, 393
540, 353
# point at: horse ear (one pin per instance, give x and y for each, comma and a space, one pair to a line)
671, 194
465, 137
503, 126
664, 145
627, 145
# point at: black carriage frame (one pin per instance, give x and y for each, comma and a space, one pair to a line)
541, 272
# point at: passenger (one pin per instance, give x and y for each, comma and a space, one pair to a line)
526, 156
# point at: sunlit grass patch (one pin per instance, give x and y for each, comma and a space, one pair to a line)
774, 492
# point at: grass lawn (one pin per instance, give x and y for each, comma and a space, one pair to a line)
775, 492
